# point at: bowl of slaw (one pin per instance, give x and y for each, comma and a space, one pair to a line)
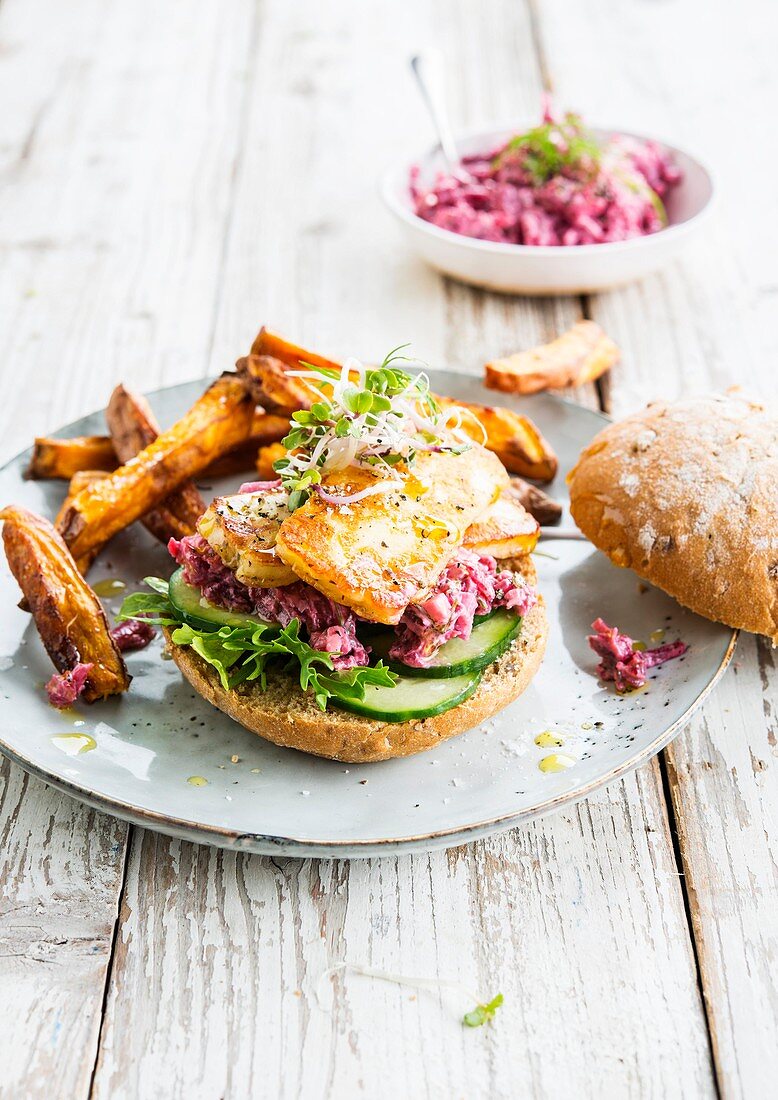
475, 228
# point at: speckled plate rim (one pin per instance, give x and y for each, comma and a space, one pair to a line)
304, 849
265, 844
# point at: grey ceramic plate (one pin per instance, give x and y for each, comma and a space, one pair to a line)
135, 756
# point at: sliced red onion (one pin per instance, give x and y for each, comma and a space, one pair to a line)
352, 498
260, 486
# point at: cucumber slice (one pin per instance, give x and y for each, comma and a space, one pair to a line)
201, 614
413, 698
489, 638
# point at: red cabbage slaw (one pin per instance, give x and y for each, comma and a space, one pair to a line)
65, 688
554, 185
471, 585
623, 664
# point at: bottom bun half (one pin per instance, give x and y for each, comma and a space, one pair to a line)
287, 716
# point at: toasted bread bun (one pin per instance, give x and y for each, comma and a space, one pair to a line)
686, 494
287, 716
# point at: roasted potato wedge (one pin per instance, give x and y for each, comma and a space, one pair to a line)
217, 422
133, 427
515, 439
266, 456
539, 504
61, 458
579, 355
68, 615
506, 530
270, 343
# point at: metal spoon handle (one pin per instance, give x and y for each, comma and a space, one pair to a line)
548, 533
428, 70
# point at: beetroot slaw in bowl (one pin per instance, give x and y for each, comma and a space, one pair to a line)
555, 184
542, 269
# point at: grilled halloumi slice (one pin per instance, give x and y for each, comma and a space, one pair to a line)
505, 530
242, 529
378, 554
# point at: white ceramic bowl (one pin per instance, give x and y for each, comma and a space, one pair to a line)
545, 269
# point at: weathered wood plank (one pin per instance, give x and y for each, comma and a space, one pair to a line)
724, 783
115, 196
221, 973
705, 324
578, 919
61, 869
117, 143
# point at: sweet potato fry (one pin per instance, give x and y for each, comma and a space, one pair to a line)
61, 458
266, 456
68, 615
265, 429
545, 510
270, 343
273, 386
515, 439
579, 355
133, 427
217, 422
80, 480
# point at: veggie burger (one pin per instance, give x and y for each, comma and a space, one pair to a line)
377, 596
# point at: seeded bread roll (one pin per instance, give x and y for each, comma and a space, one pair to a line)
287, 716
686, 494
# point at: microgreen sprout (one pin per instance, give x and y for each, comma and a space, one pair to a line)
552, 148
481, 1014
376, 417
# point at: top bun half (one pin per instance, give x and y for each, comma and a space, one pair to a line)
686, 494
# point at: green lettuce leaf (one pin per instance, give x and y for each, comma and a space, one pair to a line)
153, 607
241, 654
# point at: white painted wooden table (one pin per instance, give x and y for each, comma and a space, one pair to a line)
173, 174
